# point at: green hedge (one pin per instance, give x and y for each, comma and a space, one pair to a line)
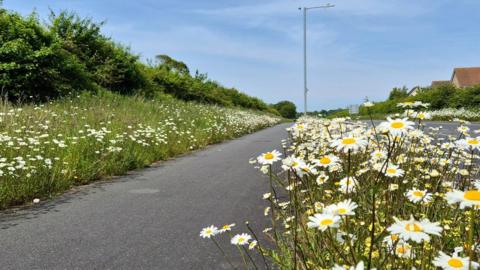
69, 54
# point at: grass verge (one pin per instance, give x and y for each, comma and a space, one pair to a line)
46, 149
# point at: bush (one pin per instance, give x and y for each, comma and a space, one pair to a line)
70, 54
286, 109
33, 63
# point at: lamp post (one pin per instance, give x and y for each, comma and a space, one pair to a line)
305, 89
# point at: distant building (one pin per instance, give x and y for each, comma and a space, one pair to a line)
461, 77
465, 77
414, 91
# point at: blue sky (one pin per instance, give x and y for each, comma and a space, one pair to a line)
359, 48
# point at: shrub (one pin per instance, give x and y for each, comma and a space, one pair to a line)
286, 109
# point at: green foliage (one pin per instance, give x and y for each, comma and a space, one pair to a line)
286, 109
439, 96
70, 54
33, 63
111, 66
398, 93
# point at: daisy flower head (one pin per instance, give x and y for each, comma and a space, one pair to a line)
299, 127
396, 127
417, 195
323, 221
269, 157
327, 161
306, 170
348, 184
292, 162
403, 250
469, 143
226, 228
378, 154
393, 171
240, 239
391, 239
209, 231
422, 115
349, 143
321, 178
344, 208
415, 230
453, 262
469, 198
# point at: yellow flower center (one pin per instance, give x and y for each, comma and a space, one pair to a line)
397, 125
391, 170
294, 164
241, 240
325, 160
472, 195
268, 155
413, 227
342, 211
456, 263
394, 237
348, 141
473, 141
418, 193
402, 250
226, 227
326, 222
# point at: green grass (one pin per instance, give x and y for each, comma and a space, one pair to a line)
46, 149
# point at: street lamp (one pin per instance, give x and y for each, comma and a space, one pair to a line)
305, 9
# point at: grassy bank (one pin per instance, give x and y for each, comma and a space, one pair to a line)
47, 149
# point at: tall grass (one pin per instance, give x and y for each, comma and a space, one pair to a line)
48, 148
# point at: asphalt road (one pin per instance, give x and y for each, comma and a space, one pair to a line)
149, 219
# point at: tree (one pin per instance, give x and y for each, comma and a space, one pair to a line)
171, 64
398, 93
286, 109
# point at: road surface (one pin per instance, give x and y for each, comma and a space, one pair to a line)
150, 219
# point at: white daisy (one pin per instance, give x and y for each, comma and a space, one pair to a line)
240, 239
393, 171
327, 161
349, 143
417, 195
396, 127
323, 221
378, 154
415, 230
226, 228
209, 231
269, 157
348, 184
469, 143
403, 250
467, 198
453, 262
344, 208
